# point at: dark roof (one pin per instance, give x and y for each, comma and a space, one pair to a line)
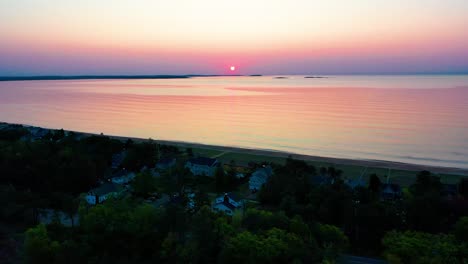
203, 161
233, 196
356, 183
120, 173
229, 205
106, 188
391, 188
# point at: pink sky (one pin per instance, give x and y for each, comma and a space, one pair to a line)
258, 37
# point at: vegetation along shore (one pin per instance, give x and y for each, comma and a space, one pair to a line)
83, 198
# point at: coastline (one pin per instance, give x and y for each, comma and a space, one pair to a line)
381, 164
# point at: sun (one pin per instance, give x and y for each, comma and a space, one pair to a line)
232, 68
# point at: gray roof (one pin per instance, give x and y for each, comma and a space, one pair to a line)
263, 172
391, 188
233, 196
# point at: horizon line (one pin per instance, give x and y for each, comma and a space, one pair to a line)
186, 76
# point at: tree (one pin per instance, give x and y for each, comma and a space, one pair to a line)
374, 183
38, 248
332, 239
144, 184
463, 187
189, 152
461, 229
418, 247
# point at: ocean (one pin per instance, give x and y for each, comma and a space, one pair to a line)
418, 119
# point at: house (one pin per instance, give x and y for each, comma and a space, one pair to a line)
165, 163
228, 203
49, 216
103, 192
122, 177
38, 133
202, 166
390, 191
117, 159
259, 178
355, 183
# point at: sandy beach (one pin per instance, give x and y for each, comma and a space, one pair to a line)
282, 154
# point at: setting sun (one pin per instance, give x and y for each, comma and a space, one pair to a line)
232, 68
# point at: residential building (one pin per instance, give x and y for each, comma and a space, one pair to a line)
122, 177
228, 203
390, 191
355, 183
202, 166
103, 192
259, 178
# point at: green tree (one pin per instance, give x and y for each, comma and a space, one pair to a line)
418, 247
144, 184
461, 229
38, 248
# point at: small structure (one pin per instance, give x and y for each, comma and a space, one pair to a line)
103, 192
202, 166
165, 163
390, 191
38, 133
117, 159
228, 203
259, 178
355, 183
49, 216
122, 177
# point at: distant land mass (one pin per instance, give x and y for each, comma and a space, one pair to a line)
89, 77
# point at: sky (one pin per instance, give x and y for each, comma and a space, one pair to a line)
67, 37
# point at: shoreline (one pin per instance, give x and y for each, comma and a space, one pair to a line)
383, 164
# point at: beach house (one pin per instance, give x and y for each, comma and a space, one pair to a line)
122, 177
259, 178
202, 166
103, 192
228, 203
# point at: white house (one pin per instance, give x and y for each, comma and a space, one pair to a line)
123, 177
228, 203
202, 166
259, 178
103, 192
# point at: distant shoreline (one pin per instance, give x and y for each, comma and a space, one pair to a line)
284, 154
91, 77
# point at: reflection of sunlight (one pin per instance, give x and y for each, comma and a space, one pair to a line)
309, 116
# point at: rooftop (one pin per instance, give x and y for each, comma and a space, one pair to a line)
106, 188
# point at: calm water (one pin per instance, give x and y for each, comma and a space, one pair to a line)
414, 119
